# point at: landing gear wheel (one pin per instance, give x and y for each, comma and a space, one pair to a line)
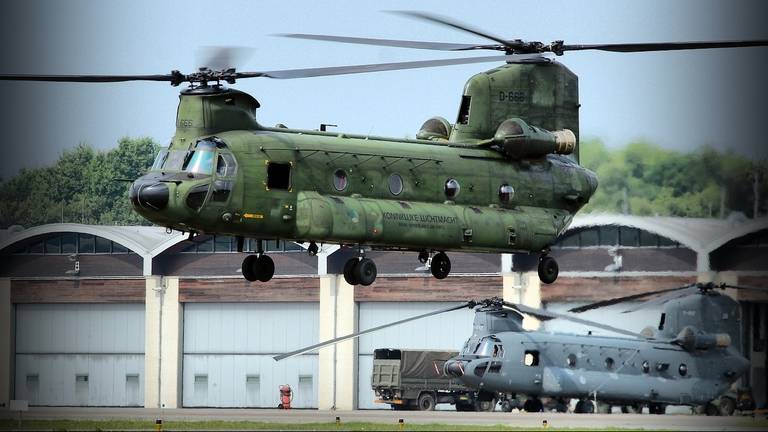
365, 271
248, 268
264, 268
506, 406
548, 269
423, 257
486, 406
584, 407
657, 408
426, 402
727, 406
312, 249
441, 265
561, 406
349, 271
533, 405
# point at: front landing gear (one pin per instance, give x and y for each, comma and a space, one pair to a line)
440, 265
360, 271
258, 268
548, 269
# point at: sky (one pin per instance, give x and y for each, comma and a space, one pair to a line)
680, 100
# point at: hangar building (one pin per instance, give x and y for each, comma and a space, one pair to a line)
134, 316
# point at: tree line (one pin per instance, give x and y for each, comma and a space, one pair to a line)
88, 186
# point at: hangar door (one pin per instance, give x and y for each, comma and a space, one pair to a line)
447, 332
80, 354
228, 349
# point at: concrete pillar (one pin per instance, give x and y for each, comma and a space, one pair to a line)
162, 343
337, 363
521, 287
6, 341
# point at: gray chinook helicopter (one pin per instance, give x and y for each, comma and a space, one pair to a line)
689, 359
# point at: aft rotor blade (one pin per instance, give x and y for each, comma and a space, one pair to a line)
439, 46
745, 287
536, 312
664, 298
456, 25
665, 46
617, 300
380, 67
370, 330
86, 78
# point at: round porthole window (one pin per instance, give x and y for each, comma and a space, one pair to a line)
506, 192
340, 179
646, 367
571, 360
609, 363
395, 184
683, 369
452, 188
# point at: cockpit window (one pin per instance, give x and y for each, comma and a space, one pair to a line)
225, 165
160, 160
201, 159
175, 160
485, 347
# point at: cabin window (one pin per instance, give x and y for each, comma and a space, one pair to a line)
340, 180
160, 160
683, 369
395, 184
464, 110
452, 189
278, 176
531, 358
609, 363
571, 360
506, 192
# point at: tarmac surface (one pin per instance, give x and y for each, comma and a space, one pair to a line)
522, 420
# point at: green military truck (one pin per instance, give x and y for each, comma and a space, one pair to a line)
414, 379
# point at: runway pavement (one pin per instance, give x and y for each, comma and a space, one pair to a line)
523, 420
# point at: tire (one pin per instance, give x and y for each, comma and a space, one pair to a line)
441, 265
506, 406
486, 406
349, 271
711, 409
248, 268
365, 271
265, 268
657, 408
463, 407
727, 406
533, 405
426, 402
548, 269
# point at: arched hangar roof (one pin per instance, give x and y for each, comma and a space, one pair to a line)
142, 240
741, 230
694, 233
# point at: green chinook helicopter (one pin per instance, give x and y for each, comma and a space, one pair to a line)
503, 178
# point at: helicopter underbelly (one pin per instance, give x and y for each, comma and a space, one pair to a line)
424, 225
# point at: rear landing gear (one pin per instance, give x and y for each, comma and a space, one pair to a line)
548, 269
360, 271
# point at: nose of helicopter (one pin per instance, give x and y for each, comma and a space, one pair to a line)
454, 368
150, 196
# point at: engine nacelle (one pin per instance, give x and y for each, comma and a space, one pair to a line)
691, 339
436, 128
516, 139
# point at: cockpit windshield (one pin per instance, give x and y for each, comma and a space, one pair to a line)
484, 347
201, 159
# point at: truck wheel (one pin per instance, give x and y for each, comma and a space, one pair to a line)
426, 402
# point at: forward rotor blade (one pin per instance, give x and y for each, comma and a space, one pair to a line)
665, 46
380, 67
617, 300
543, 313
664, 298
456, 25
745, 287
86, 78
299, 351
439, 46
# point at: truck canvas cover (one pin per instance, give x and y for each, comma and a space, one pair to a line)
423, 364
